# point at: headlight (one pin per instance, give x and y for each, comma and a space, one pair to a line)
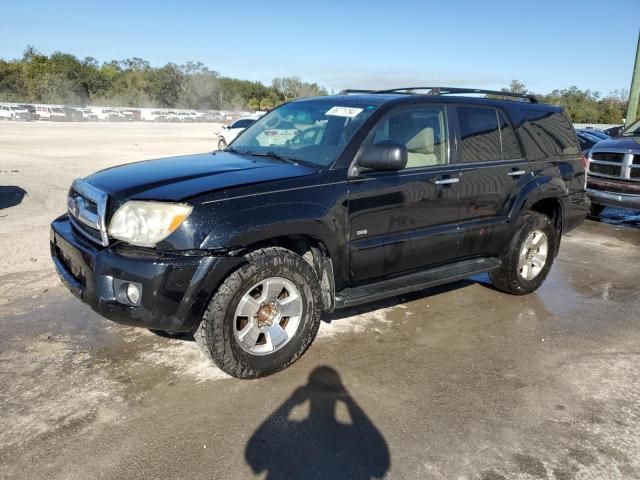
147, 223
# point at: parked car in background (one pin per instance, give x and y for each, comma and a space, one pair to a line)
130, 114
148, 115
5, 112
14, 112
185, 117
172, 116
89, 115
594, 133
614, 171
32, 111
53, 114
280, 134
614, 131
73, 114
230, 132
586, 141
109, 115
389, 194
197, 117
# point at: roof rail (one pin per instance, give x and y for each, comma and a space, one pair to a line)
458, 90
448, 91
350, 91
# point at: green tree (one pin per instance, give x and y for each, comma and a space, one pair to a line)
165, 85
516, 86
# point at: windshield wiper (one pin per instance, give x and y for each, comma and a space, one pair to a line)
232, 150
277, 156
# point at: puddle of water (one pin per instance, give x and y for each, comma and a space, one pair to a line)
619, 216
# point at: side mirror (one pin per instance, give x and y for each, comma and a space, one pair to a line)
384, 156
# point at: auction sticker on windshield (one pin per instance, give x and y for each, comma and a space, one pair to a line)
349, 112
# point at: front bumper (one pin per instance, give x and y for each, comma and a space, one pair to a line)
176, 288
614, 199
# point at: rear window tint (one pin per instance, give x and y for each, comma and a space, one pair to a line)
548, 134
479, 134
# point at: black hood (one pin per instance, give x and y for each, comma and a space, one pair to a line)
625, 143
178, 178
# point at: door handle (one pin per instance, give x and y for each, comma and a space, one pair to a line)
447, 181
516, 173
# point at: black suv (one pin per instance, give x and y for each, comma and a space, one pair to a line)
324, 203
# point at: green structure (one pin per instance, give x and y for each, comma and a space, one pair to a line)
634, 95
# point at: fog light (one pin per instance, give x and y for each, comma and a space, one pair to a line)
127, 293
133, 293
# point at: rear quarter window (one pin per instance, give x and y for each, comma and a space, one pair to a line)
546, 133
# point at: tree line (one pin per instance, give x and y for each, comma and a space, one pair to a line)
62, 78
583, 106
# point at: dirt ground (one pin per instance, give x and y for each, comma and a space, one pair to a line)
460, 382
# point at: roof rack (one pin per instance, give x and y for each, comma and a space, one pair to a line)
350, 91
446, 91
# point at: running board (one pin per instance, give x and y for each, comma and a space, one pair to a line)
414, 281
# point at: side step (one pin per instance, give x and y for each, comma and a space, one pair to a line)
414, 281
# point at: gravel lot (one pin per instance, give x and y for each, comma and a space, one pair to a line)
460, 382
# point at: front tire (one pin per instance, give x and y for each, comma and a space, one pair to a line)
264, 315
222, 144
529, 256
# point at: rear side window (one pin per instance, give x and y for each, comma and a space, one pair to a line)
479, 134
548, 134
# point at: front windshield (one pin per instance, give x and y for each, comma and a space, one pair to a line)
309, 131
633, 130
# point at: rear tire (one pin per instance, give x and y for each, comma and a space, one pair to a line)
529, 256
242, 328
596, 209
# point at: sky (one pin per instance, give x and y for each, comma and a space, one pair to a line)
348, 44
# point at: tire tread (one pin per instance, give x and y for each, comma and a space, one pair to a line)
210, 333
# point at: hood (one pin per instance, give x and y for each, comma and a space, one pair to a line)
178, 178
624, 143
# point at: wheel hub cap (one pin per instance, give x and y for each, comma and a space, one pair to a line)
267, 316
533, 255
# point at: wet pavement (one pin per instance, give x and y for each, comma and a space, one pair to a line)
459, 382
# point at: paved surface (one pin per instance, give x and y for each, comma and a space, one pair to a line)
461, 382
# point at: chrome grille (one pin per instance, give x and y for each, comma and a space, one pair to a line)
614, 163
608, 157
87, 206
610, 170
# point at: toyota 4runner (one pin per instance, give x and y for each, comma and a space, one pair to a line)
375, 195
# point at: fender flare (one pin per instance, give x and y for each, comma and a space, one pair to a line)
539, 188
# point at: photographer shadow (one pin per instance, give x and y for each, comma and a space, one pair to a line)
335, 440
11, 195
